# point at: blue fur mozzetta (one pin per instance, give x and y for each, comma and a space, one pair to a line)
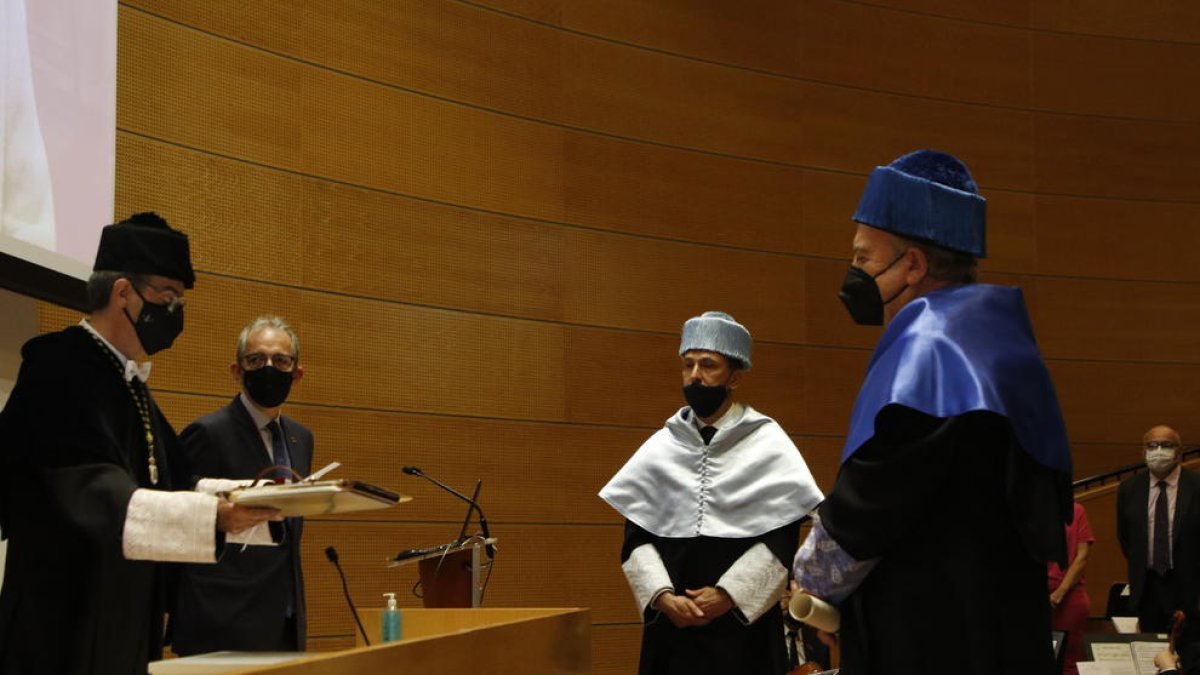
963, 349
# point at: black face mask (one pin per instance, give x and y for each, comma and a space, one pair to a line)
860, 295
157, 325
268, 386
705, 400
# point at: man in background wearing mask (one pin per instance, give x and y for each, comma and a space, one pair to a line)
1158, 516
713, 503
253, 598
954, 485
87, 469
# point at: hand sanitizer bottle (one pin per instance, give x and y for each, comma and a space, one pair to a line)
391, 619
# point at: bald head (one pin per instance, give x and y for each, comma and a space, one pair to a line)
1161, 433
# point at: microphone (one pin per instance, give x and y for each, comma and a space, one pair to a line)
332, 554
483, 524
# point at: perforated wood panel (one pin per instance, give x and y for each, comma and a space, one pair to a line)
487, 221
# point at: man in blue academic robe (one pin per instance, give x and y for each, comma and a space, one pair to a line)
955, 478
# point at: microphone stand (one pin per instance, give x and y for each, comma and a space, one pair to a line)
483, 524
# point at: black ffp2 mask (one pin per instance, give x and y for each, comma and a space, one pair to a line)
268, 386
705, 400
860, 294
157, 325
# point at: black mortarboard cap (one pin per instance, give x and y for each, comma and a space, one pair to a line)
145, 244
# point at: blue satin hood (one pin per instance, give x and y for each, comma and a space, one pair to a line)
962, 349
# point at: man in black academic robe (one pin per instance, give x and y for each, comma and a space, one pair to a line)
87, 466
75, 452
955, 478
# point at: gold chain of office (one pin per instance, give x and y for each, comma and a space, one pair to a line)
142, 401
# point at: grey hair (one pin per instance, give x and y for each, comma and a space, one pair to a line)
267, 321
100, 285
944, 265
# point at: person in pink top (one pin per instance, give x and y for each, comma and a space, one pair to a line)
1069, 600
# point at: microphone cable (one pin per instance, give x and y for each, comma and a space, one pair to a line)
332, 554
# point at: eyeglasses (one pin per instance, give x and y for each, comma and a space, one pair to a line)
1165, 445
284, 362
173, 303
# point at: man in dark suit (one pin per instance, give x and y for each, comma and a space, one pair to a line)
253, 598
1158, 516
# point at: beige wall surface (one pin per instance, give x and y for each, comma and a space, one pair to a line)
488, 219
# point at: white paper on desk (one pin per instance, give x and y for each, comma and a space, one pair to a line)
1103, 668
1113, 653
1125, 624
1144, 653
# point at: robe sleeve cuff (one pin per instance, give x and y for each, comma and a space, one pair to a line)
213, 486
827, 571
647, 575
754, 582
170, 527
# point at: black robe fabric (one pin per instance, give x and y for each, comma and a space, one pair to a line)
239, 603
962, 522
73, 451
726, 646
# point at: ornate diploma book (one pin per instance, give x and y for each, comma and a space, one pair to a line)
318, 497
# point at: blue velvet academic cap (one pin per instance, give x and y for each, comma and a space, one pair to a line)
927, 195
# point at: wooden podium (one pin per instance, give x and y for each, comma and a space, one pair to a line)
496, 641
450, 575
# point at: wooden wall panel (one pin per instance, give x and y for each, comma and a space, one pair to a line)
485, 58
243, 220
1093, 459
982, 11
1118, 320
612, 646
761, 36
853, 130
808, 39
1011, 233
1120, 401
1143, 80
646, 189
355, 131
444, 256
903, 51
823, 456
446, 48
1123, 159
1166, 20
1117, 239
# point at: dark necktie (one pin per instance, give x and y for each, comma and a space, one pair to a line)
1162, 539
282, 458
279, 449
707, 433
